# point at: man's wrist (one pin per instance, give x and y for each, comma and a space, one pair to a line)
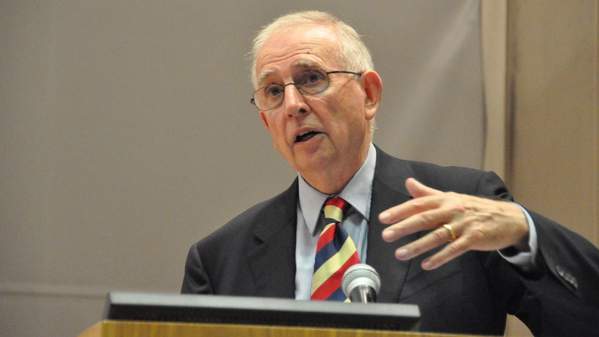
524, 252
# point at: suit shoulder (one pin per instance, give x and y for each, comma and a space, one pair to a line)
446, 178
444, 175
461, 179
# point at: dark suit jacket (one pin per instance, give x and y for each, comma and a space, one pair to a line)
254, 255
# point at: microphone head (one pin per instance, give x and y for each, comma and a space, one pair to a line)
360, 275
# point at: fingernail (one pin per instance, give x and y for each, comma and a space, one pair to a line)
427, 265
402, 253
384, 216
387, 234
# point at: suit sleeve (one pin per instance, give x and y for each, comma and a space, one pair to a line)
560, 296
571, 259
195, 279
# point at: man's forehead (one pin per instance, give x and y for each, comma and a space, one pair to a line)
303, 46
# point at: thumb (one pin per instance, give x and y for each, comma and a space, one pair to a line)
418, 189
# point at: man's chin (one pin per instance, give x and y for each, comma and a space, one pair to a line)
315, 163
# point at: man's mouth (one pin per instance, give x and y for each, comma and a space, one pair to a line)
305, 136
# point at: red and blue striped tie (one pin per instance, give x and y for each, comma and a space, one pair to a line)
335, 252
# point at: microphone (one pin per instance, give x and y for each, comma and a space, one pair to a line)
361, 283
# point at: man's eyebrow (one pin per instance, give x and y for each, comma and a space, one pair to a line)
305, 64
299, 64
263, 75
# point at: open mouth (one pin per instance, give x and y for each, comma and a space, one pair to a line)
305, 136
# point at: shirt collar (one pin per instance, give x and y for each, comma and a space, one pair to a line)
357, 193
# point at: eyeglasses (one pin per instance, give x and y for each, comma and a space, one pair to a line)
307, 82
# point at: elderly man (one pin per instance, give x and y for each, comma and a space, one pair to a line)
448, 239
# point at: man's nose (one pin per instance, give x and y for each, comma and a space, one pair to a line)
294, 102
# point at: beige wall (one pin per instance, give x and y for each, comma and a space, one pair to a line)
552, 80
553, 142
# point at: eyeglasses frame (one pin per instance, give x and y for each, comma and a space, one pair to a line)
284, 85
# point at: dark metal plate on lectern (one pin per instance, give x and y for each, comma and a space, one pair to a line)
260, 311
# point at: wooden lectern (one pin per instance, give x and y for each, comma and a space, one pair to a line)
158, 315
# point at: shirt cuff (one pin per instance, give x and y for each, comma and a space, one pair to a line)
521, 259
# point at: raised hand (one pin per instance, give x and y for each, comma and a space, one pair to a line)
460, 222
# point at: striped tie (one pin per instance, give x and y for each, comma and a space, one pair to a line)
335, 252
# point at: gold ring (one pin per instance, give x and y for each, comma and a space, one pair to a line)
451, 232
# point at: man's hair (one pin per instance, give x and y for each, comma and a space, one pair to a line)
353, 52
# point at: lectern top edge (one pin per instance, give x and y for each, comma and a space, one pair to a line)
259, 310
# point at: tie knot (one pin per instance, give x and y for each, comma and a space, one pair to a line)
333, 209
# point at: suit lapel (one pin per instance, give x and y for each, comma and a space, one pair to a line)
271, 256
387, 190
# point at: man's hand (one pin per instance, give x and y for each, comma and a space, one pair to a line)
476, 224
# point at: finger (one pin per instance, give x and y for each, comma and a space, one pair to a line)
448, 253
409, 208
418, 189
422, 221
434, 239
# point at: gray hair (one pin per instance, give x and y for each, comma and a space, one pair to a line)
353, 51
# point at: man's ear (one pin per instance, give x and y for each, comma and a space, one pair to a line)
264, 120
373, 87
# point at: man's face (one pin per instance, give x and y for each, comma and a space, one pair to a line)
325, 132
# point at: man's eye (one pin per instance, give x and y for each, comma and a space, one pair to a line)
311, 78
273, 90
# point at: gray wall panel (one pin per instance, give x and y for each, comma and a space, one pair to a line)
126, 133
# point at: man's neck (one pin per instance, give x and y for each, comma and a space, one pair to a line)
333, 179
